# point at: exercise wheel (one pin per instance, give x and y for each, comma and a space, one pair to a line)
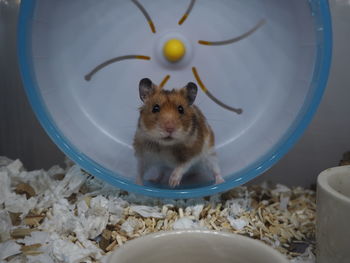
261, 67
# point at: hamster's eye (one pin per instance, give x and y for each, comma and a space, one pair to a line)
156, 108
181, 109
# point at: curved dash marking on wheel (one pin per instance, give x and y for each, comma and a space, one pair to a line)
235, 39
211, 96
145, 13
164, 81
187, 13
113, 60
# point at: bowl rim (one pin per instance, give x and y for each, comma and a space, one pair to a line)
323, 182
318, 84
193, 232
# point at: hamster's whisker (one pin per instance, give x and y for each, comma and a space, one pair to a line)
188, 11
145, 13
211, 96
113, 60
164, 81
235, 39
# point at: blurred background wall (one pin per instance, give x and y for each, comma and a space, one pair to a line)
321, 146
21, 135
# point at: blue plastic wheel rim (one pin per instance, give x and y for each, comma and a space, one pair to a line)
319, 81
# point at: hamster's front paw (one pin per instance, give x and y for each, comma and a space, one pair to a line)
139, 181
219, 179
175, 179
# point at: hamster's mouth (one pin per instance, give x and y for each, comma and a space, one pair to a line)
168, 138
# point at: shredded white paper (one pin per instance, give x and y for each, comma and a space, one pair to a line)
147, 211
237, 224
9, 248
5, 225
186, 223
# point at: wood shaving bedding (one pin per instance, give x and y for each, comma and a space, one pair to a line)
73, 217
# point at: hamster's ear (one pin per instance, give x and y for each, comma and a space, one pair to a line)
146, 88
191, 92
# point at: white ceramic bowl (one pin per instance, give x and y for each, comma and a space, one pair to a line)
195, 246
333, 215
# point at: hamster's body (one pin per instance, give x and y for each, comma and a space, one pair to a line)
173, 133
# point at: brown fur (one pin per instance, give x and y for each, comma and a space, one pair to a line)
170, 136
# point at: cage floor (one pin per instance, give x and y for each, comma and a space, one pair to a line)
66, 215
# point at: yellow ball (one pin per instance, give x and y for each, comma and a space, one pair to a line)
174, 50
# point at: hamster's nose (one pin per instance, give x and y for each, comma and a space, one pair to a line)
169, 127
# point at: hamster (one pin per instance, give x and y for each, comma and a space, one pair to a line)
172, 133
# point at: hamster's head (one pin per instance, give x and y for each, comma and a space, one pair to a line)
167, 117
